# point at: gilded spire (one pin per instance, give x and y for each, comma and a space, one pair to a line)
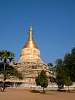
30, 42
30, 38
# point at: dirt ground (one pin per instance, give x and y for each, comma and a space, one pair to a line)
22, 94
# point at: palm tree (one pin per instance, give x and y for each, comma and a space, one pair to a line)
5, 68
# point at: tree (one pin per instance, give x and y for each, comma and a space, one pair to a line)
69, 64
5, 68
42, 80
68, 82
65, 69
60, 74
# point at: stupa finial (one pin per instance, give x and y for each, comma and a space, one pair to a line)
30, 42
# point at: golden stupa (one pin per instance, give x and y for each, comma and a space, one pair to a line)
30, 51
29, 64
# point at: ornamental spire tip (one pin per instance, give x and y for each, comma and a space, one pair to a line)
30, 28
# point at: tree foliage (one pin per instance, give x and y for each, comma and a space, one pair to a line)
69, 64
68, 82
9, 71
42, 80
60, 73
65, 69
5, 68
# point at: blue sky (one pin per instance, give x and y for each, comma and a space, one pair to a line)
53, 23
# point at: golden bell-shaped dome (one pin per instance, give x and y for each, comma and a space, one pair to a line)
30, 42
30, 51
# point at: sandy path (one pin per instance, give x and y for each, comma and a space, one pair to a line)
22, 94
